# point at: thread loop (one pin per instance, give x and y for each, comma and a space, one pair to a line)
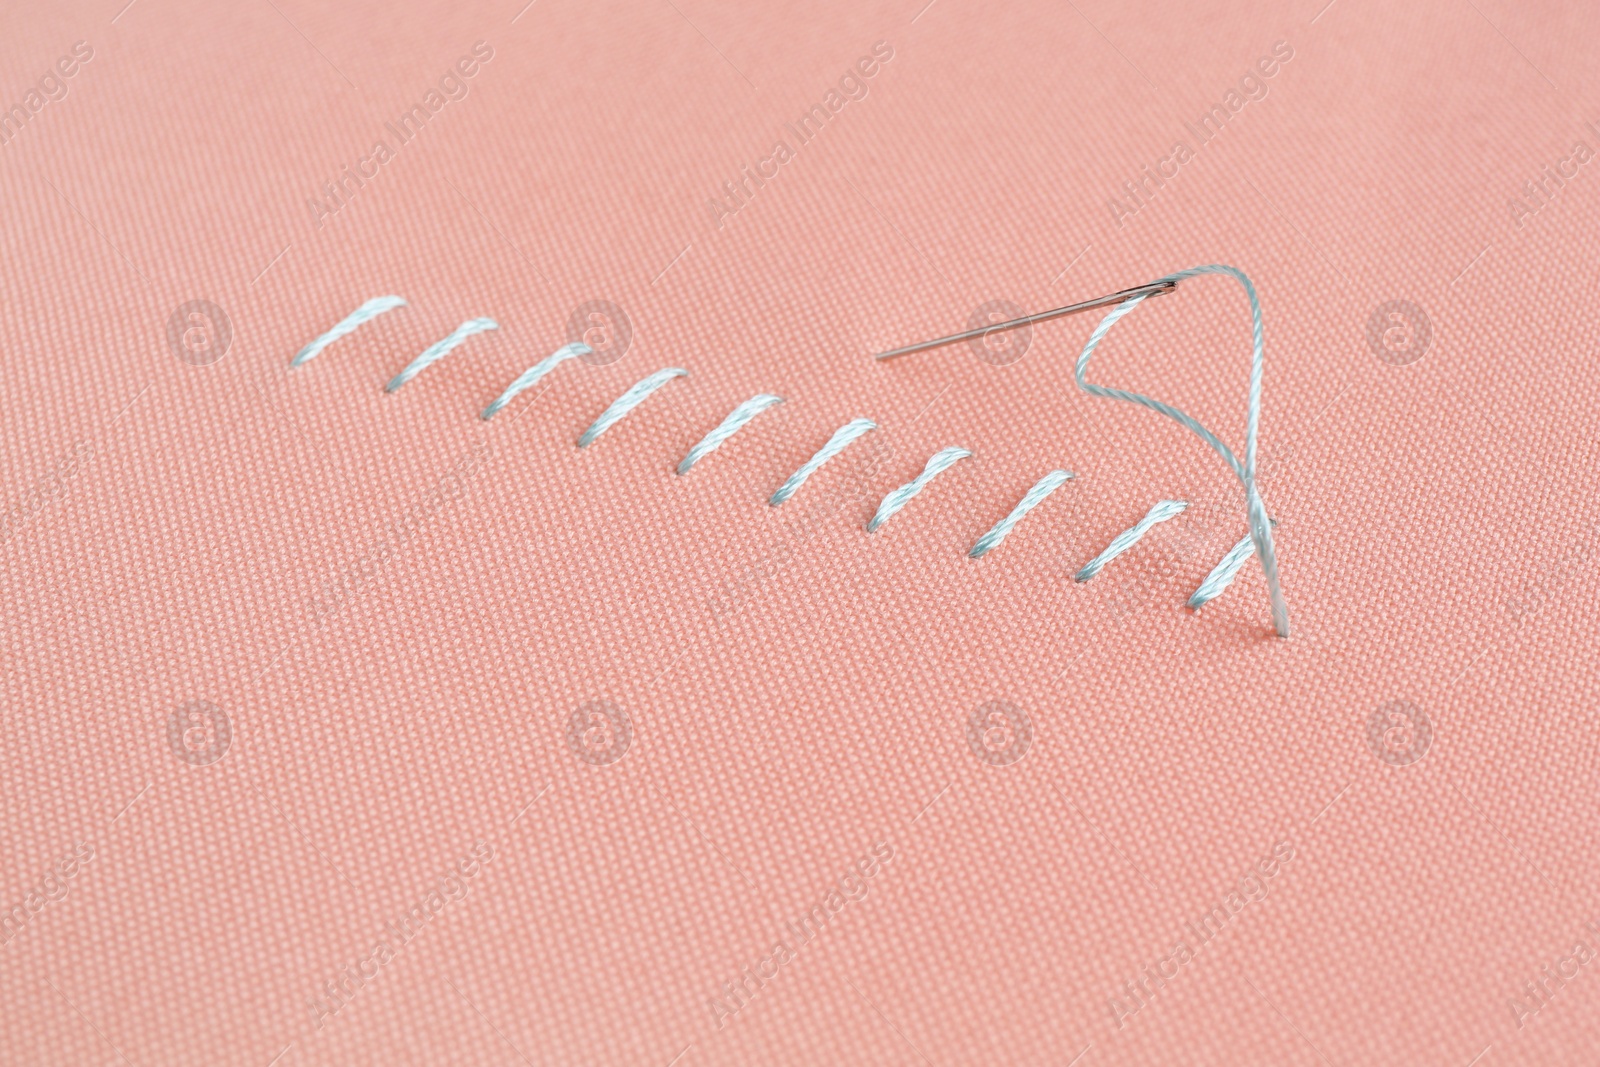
438, 350
1030, 500
371, 309
937, 464
1260, 525
836, 444
629, 400
1164, 510
531, 376
727, 428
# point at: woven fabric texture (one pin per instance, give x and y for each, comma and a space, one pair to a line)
346, 727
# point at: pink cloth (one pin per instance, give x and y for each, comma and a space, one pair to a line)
302, 676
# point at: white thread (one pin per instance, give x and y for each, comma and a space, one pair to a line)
439, 349
532, 375
1125, 540
938, 463
836, 444
728, 427
369, 310
1041, 489
629, 400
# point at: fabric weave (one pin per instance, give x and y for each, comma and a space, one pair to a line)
347, 727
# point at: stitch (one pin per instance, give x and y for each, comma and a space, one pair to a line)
728, 427
532, 375
1125, 540
439, 349
836, 444
1223, 573
1260, 527
1041, 489
1259, 540
369, 310
899, 498
625, 403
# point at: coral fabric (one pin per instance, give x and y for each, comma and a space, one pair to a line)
539, 754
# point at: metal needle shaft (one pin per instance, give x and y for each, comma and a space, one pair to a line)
1152, 289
